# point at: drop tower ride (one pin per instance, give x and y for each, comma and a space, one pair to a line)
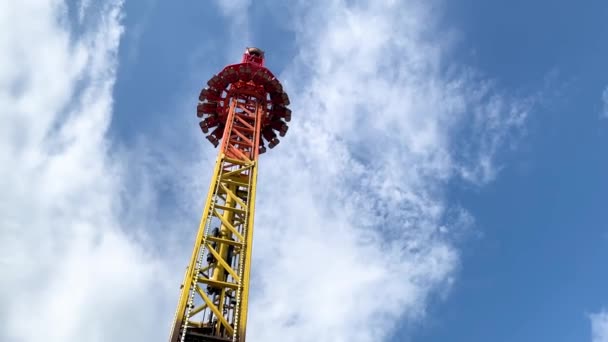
244, 106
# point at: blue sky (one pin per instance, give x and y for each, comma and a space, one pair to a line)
443, 178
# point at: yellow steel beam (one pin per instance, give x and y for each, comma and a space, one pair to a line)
220, 240
217, 312
235, 182
197, 310
235, 172
218, 284
224, 264
233, 209
233, 196
244, 297
236, 161
228, 225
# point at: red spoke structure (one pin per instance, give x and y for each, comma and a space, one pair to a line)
244, 106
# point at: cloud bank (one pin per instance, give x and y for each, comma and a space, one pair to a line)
353, 231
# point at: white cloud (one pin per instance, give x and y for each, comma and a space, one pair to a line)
235, 11
69, 269
599, 327
605, 103
352, 230
233, 7
83, 6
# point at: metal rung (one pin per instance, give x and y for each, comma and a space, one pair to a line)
223, 207
218, 284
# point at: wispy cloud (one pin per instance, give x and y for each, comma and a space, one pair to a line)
83, 7
69, 267
236, 12
599, 327
604, 113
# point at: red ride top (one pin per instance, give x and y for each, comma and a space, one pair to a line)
248, 78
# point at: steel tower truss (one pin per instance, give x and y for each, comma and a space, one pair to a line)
245, 103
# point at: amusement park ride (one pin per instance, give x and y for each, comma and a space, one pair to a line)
243, 105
